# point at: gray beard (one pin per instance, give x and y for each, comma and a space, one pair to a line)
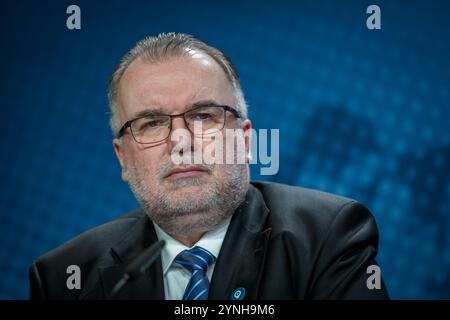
186, 215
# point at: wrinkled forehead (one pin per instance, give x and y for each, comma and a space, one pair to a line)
172, 85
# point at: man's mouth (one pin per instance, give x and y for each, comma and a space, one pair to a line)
185, 172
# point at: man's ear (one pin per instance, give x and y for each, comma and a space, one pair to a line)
119, 154
247, 127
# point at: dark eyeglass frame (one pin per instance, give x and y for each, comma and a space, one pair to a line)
129, 122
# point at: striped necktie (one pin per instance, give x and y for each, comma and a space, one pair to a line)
196, 261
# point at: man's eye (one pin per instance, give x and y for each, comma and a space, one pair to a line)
154, 123
201, 116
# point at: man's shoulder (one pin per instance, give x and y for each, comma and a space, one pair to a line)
296, 209
326, 242
277, 194
88, 251
96, 241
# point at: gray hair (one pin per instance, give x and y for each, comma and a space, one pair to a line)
163, 46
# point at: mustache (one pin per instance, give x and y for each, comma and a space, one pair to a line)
165, 169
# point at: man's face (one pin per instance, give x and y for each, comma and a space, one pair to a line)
205, 194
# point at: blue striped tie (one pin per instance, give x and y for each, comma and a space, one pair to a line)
196, 260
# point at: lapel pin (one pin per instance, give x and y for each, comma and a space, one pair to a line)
237, 294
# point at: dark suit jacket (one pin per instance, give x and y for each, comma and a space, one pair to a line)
282, 243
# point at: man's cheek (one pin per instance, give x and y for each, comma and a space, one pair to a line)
213, 151
219, 172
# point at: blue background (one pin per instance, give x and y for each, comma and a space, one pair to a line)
361, 113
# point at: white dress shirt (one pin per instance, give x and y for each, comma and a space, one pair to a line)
176, 277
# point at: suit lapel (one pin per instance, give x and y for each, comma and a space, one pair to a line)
150, 286
137, 239
239, 265
241, 259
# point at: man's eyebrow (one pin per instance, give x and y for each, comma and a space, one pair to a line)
160, 111
203, 103
149, 112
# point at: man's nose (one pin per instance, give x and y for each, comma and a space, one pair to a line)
181, 139
178, 123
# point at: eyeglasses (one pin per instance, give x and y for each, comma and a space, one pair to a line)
156, 128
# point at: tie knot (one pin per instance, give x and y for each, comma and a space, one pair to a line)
196, 258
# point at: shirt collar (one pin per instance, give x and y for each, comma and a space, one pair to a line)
211, 241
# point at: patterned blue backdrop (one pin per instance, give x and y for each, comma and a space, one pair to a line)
361, 113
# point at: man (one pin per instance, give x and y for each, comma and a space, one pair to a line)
226, 238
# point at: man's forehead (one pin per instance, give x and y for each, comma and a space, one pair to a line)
173, 85
201, 57
187, 64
